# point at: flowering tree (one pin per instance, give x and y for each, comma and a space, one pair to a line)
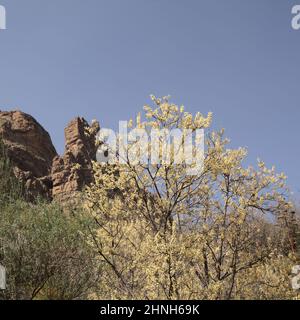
162, 233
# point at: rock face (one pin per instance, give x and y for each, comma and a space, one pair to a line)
30, 149
71, 172
35, 159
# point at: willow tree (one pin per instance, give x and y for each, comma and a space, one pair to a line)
162, 232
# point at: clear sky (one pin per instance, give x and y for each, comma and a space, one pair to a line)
103, 58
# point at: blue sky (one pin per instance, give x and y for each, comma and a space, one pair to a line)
103, 58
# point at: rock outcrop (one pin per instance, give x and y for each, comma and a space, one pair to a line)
71, 172
30, 150
36, 162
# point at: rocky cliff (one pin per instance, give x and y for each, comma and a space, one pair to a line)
36, 162
71, 172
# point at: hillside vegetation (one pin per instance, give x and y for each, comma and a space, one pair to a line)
152, 231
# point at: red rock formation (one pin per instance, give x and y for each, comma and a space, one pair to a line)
36, 162
30, 149
72, 171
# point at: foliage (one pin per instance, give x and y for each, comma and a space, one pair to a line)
153, 231
10, 187
163, 234
45, 253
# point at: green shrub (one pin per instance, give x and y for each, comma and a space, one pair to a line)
45, 252
10, 187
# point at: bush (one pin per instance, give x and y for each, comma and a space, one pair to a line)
44, 252
10, 186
